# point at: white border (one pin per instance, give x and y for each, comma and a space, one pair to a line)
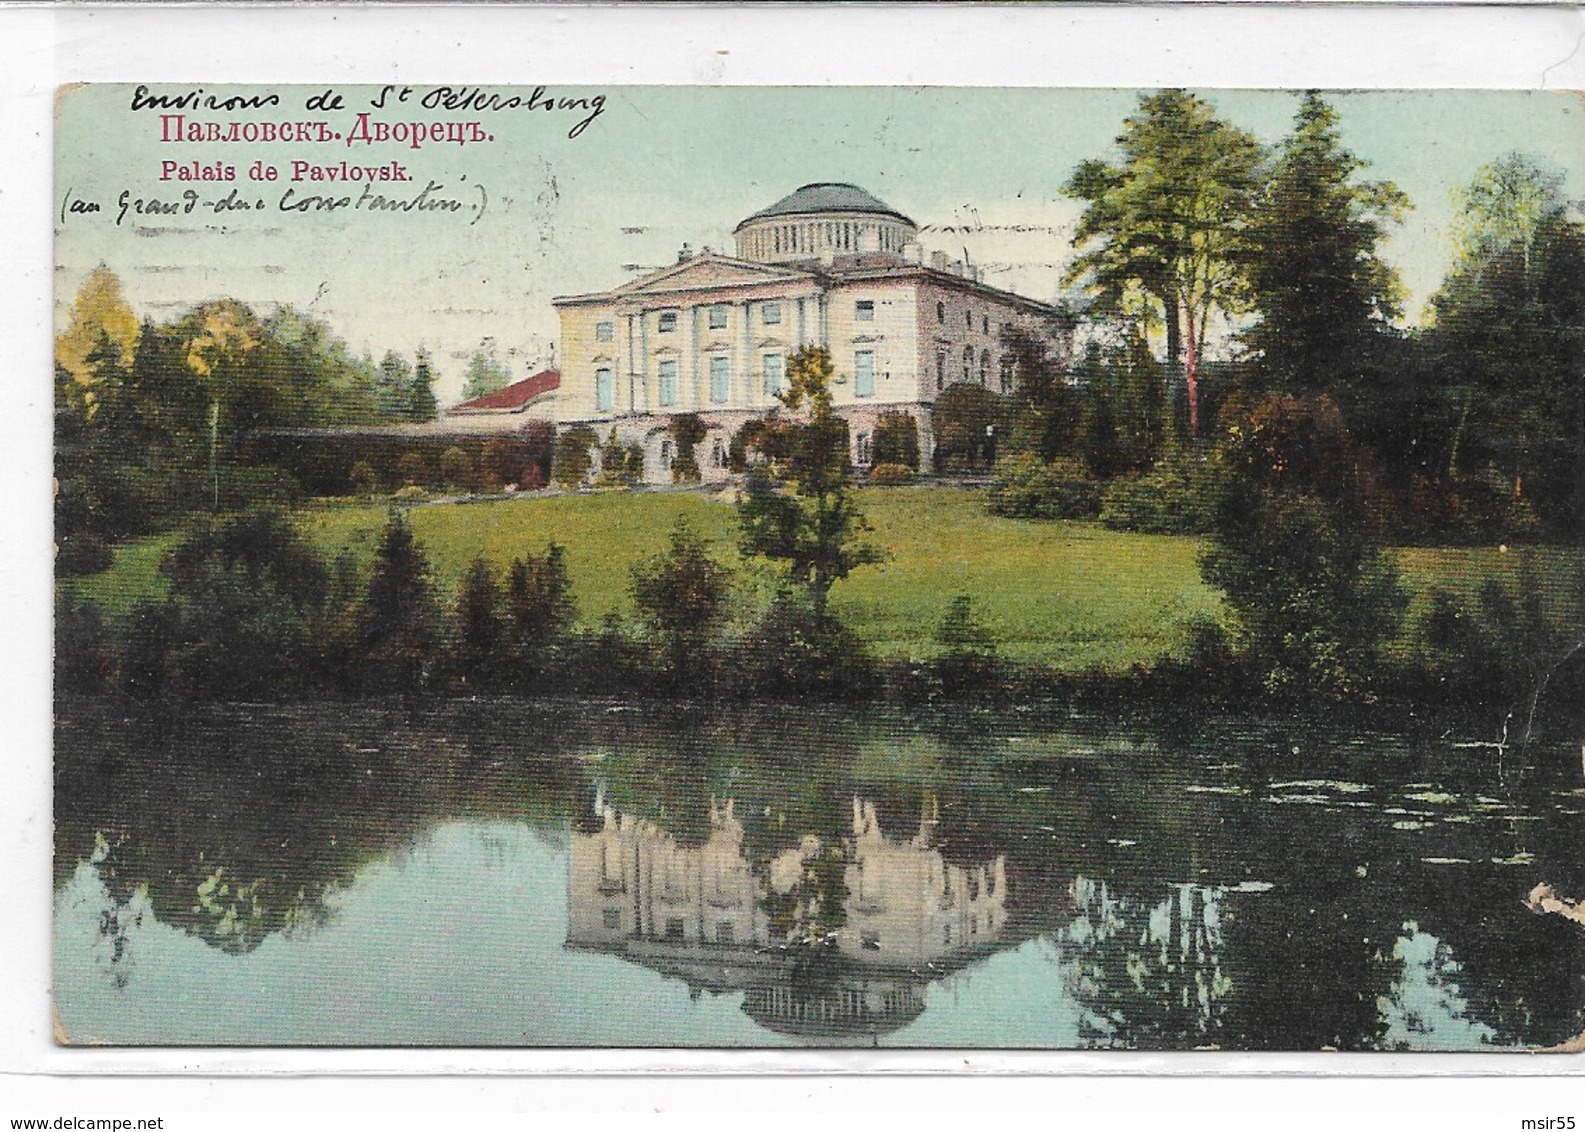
1136, 45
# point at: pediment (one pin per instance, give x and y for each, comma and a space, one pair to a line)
705, 272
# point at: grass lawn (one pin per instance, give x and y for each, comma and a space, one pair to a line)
1073, 595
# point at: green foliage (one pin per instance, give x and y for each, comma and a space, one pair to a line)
484, 373
890, 475
421, 403
1164, 224
792, 653
1509, 339
412, 469
84, 657
82, 552
1044, 413
687, 430
896, 441
1312, 597
815, 527
574, 457
456, 469
365, 480
966, 657
1180, 495
246, 600
1317, 279
681, 594
478, 634
966, 419
398, 616
540, 613
1026, 487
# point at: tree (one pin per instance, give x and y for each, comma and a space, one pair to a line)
540, 611
1166, 222
815, 527
896, 441
687, 430
1509, 336
484, 373
456, 469
398, 612
421, 403
1312, 597
393, 387
477, 632
573, 459
681, 595
99, 315
964, 417
1317, 280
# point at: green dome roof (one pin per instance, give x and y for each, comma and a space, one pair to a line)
827, 196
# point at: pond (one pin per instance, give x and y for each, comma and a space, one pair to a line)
599, 874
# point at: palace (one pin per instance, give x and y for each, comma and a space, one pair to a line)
828, 265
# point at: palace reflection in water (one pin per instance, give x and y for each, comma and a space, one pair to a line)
811, 961
610, 878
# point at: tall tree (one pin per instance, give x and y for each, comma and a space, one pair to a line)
1166, 221
1509, 340
485, 372
1317, 280
398, 612
815, 528
421, 403
99, 316
393, 386
681, 593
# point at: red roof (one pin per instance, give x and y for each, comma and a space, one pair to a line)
514, 397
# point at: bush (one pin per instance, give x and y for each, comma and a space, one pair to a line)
410, 468
456, 469
896, 441
794, 654
412, 493
1178, 496
573, 456
967, 660
365, 480
890, 475
258, 486
1025, 487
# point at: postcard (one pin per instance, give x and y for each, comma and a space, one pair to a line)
771, 567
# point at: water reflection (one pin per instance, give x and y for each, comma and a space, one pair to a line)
827, 941
664, 878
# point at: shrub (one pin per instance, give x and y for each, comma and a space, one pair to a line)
365, 480
573, 456
889, 475
456, 469
687, 429
793, 653
896, 441
262, 485
1178, 496
1025, 487
967, 660
412, 493
410, 468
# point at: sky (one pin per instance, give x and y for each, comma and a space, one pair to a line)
541, 213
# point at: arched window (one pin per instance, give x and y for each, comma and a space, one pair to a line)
941, 312
985, 367
968, 363
941, 370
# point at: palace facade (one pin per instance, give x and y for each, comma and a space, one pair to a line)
828, 265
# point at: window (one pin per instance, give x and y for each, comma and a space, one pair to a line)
604, 390
668, 322
985, 324
968, 320
604, 331
941, 312
611, 918
724, 931
985, 367
863, 449
770, 314
668, 382
1007, 373
667, 454
774, 372
717, 318
720, 377
674, 928
864, 373
968, 363
941, 370
718, 454
864, 310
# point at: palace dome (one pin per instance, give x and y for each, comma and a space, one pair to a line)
823, 219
